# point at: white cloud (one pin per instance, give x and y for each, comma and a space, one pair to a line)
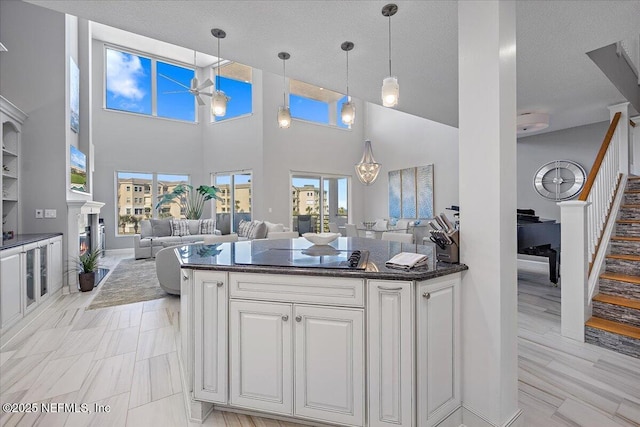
124, 72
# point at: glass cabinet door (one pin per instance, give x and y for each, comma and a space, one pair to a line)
30, 276
44, 256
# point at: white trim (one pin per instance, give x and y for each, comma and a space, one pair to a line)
12, 111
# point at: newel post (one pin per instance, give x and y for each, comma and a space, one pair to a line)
574, 268
622, 135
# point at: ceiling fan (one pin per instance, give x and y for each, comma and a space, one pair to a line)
195, 89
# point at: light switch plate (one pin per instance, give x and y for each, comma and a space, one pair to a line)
39, 213
50, 213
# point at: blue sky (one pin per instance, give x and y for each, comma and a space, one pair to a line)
128, 82
78, 158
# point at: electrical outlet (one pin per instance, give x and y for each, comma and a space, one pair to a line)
50, 213
39, 213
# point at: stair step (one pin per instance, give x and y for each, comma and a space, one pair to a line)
614, 327
628, 221
615, 300
626, 257
621, 278
625, 238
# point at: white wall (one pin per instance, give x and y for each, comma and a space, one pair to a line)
32, 76
130, 142
579, 144
399, 141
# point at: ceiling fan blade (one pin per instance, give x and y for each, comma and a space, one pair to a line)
175, 81
176, 91
205, 84
200, 100
205, 93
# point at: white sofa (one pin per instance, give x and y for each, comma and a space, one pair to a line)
157, 234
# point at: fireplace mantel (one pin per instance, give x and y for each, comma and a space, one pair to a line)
75, 208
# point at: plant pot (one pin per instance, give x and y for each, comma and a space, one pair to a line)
87, 281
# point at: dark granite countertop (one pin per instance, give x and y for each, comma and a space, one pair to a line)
24, 239
246, 257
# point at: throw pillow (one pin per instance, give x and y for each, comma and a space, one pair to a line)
160, 227
244, 228
273, 227
207, 226
259, 230
145, 229
180, 227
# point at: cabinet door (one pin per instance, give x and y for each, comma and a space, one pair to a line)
329, 364
43, 266
10, 288
210, 330
55, 264
31, 278
438, 349
390, 353
261, 360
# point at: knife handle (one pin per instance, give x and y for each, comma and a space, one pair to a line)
446, 221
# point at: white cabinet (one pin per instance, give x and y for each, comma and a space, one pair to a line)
54, 272
210, 305
10, 287
438, 349
318, 351
329, 364
390, 353
261, 359
30, 273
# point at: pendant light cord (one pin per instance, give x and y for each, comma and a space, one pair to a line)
389, 45
218, 68
284, 90
348, 76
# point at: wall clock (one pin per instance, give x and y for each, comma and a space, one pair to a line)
559, 180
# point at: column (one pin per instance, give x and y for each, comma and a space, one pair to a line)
487, 171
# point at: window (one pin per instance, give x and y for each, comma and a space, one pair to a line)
322, 197
128, 86
315, 104
144, 207
231, 210
235, 81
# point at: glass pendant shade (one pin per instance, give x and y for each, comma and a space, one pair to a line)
367, 169
390, 91
348, 113
284, 117
219, 104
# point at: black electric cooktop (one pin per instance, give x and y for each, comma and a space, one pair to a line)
317, 256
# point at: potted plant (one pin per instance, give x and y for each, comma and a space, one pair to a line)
190, 199
87, 266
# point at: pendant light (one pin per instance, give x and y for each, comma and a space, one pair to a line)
367, 170
284, 115
390, 87
348, 112
219, 99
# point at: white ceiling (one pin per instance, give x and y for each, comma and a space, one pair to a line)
554, 73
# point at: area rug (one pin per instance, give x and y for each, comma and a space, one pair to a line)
131, 281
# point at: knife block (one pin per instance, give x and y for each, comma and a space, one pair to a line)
450, 253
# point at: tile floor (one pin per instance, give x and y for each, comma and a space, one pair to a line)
125, 358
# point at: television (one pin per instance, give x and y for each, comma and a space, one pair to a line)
78, 170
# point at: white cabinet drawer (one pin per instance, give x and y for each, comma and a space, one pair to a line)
307, 289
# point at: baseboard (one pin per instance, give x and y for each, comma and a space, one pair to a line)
531, 263
471, 418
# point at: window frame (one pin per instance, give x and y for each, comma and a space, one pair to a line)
231, 194
154, 87
334, 120
213, 75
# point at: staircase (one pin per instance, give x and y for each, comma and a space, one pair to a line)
616, 309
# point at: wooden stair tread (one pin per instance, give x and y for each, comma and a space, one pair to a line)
614, 327
626, 257
630, 207
616, 300
632, 191
626, 238
633, 177
628, 221
621, 277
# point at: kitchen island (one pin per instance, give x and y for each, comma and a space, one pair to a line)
286, 329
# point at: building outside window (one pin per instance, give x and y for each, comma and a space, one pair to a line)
144, 207
237, 206
322, 197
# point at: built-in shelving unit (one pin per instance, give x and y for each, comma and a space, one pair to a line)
11, 120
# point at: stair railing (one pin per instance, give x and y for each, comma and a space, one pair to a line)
586, 225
